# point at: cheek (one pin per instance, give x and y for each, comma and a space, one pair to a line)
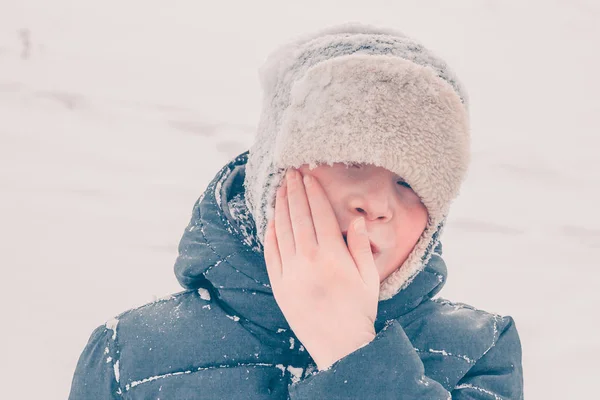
410, 228
414, 212
419, 218
407, 234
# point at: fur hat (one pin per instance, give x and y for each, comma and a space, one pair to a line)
358, 93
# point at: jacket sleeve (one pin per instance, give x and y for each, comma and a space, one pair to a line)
97, 372
390, 368
498, 374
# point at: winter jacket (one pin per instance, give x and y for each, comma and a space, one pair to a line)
226, 338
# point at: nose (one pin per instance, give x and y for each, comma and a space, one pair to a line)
373, 203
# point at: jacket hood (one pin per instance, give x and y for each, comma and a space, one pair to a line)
219, 251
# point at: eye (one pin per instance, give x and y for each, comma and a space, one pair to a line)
353, 165
403, 183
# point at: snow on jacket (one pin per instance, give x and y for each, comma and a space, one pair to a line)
226, 338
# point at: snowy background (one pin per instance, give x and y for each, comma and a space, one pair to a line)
115, 114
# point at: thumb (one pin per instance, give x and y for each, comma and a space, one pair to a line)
360, 249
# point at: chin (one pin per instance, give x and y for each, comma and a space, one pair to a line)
381, 267
384, 268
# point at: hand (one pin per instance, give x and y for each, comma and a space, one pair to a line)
328, 292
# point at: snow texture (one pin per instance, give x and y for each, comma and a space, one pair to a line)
204, 294
480, 390
113, 121
112, 325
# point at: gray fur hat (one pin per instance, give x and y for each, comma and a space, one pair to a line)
359, 93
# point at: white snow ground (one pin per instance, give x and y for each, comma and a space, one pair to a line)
117, 114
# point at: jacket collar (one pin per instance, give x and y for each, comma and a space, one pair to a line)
218, 249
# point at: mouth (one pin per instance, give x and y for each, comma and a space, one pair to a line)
374, 248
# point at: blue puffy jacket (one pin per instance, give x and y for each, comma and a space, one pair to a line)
226, 338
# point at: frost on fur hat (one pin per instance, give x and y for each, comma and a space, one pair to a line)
358, 93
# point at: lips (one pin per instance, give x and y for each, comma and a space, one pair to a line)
374, 247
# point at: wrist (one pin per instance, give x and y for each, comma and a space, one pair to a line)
326, 357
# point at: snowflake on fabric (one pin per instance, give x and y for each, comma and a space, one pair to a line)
246, 226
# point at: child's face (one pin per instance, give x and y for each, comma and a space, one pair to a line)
394, 215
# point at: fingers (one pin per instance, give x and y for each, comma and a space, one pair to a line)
283, 225
300, 214
272, 257
327, 228
360, 249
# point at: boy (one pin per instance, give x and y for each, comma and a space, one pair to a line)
311, 261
